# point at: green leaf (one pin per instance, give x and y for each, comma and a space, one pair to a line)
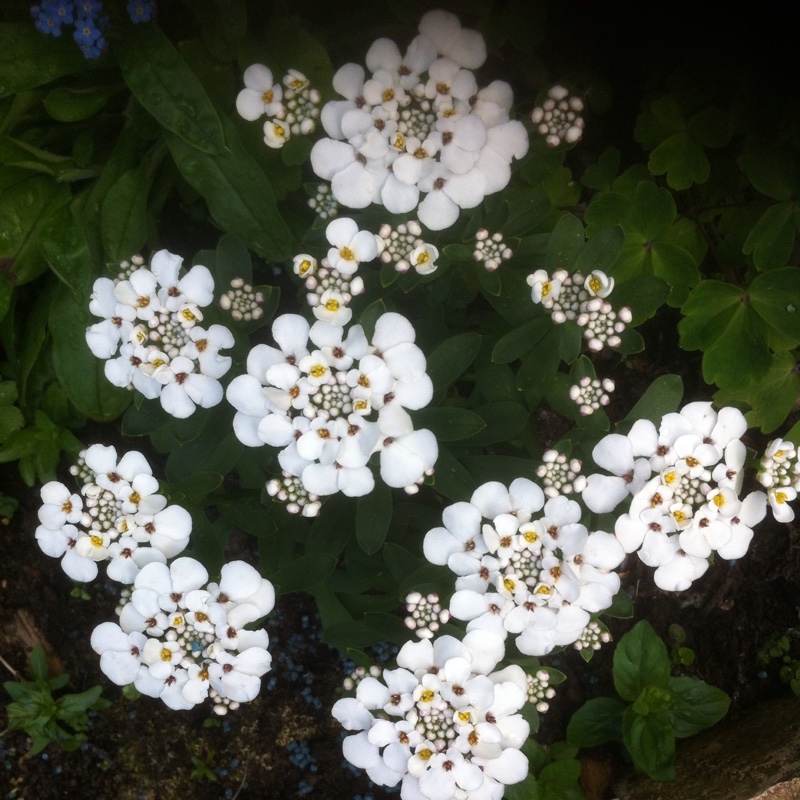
570, 339
304, 572
451, 478
770, 167
595, 722
123, 219
775, 295
640, 660
521, 340
602, 250
63, 245
28, 59
676, 266
458, 252
451, 358
37, 661
696, 706
644, 295
774, 396
742, 352
707, 312
78, 371
373, 518
162, 82
600, 176
238, 193
66, 104
447, 423
296, 151
710, 127
651, 743
621, 606
503, 420
653, 210
663, 396
682, 160
566, 243
772, 238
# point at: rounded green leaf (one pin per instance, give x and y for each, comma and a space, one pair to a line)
597, 721
640, 660
696, 706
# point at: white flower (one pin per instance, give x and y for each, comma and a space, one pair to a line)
350, 246
261, 94
276, 134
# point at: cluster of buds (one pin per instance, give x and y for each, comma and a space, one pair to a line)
558, 118
593, 637
559, 475
186, 642
243, 302
425, 614
404, 247
118, 517
358, 674
779, 473
329, 292
540, 691
289, 489
323, 202
490, 250
152, 324
292, 111
591, 393
581, 298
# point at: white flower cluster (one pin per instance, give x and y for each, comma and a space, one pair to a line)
593, 638
591, 393
404, 247
538, 576
289, 489
243, 302
425, 614
294, 111
442, 723
540, 690
684, 477
153, 318
323, 202
331, 400
419, 125
779, 473
121, 518
558, 118
559, 476
490, 250
185, 644
582, 299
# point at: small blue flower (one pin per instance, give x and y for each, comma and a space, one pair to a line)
141, 10
89, 8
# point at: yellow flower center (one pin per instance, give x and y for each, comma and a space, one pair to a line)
158, 362
530, 536
177, 621
399, 141
347, 254
135, 498
388, 95
595, 284
670, 477
780, 497
332, 305
423, 258
67, 507
692, 462
199, 616
546, 288
543, 589
420, 152
97, 541
359, 405
166, 654
427, 696
465, 716
317, 371
201, 345
555, 572
279, 130
719, 500
188, 315
305, 266
509, 584
267, 97
425, 754
679, 516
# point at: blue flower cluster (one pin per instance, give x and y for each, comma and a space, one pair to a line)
86, 15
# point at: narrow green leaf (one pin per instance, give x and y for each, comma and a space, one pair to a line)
503, 420
66, 104
772, 238
123, 219
521, 340
238, 193
449, 424
451, 478
303, 573
451, 358
162, 82
566, 243
373, 518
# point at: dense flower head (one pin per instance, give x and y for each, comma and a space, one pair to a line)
416, 132
490, 250
684, 480
779, 473
404, 247
558, 118
582, 299
184, 641
331, 399
443, 724
291, 108
119, 517
525, 565
151, 336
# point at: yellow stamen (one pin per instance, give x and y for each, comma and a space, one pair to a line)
595, 284
388, 95
317, 371
780, 497
530, 536
423, 258
188, 315
267, 97
97, 541
427, 696
347, 254
679, 516
166, 654
425, 754
509, 584
719, 500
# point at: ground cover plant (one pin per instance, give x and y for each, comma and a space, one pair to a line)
380, 353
